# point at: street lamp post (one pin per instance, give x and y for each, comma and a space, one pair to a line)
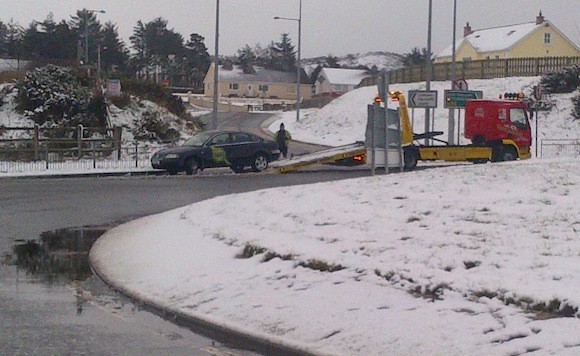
214, 116
87, 33
298, 67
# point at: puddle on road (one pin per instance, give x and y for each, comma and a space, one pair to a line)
57, 256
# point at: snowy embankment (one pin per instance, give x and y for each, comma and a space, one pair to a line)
343, 121
457, 260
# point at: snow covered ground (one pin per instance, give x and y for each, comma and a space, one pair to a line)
467, 259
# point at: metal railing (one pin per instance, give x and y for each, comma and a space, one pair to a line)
132, 156
553, 148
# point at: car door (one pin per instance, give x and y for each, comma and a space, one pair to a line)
241, 149
219, 145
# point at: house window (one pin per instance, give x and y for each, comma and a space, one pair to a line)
547, 38
234, 86
263, 87
467, 59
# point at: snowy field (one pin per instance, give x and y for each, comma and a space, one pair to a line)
466, 260
460, 260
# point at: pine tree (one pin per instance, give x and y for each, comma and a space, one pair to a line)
88, 30
283, 55
246, 59
114, 54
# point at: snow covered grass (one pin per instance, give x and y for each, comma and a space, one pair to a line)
477, 259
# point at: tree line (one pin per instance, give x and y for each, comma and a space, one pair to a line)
155, 51
83, 40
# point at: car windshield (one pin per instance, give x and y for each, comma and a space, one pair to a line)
197, 140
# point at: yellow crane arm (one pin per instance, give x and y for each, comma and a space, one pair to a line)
407, 128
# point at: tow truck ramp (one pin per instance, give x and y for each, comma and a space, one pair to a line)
355, 151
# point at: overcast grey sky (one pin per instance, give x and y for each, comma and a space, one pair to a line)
335, 27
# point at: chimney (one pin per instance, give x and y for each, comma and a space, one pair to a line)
539, 18
467, 30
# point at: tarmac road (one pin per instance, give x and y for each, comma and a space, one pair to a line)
45, 311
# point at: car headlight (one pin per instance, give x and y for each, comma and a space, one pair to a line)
172, 156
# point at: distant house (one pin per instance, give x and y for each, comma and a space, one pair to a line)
533, 39
263, 83
338, 80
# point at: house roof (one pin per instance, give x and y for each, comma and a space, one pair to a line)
495, 39
344, 76
261, 75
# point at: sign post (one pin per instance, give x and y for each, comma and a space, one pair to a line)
422, 99
457, 98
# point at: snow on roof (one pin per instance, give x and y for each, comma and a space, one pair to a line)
495, 39
344, 76
262, 75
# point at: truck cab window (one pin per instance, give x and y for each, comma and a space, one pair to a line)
518, 116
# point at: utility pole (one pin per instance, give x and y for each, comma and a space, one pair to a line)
215, 69
428, 70
298, 67
451, 123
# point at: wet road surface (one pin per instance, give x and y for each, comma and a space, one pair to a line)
50, 303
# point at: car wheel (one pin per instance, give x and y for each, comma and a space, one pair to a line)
172, 171
191, 166
237, 167
260, 162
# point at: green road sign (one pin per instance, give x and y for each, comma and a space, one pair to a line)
457, 98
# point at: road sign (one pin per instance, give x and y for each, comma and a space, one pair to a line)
457, 98
460, 84
114, 87
422, 99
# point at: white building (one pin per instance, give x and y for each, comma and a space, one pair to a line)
338, 80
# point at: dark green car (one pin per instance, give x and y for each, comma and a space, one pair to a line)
208, 149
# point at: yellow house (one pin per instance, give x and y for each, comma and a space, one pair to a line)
533, 39
263, 83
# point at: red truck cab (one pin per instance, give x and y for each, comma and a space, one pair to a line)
501, 124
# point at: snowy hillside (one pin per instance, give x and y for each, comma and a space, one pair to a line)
343, 121
126, 117
382, 60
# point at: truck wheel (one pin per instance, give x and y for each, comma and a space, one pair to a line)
509, 153
191, 166
497, 152
410, 158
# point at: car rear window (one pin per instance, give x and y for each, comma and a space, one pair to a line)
239, 137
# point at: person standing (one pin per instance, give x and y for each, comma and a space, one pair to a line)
282, 137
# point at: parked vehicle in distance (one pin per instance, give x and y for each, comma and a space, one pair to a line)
209, 149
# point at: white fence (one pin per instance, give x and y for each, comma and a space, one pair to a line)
133, 158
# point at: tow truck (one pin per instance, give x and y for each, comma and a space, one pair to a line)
498, 129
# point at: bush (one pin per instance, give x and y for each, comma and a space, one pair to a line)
564, 81
151, 126
156, 93
121, 101
51, 96
576, 107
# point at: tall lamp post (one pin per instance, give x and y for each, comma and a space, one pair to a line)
87, 33
298, 67
214, 116
451, 124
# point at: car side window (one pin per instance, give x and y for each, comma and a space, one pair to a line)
239, 137
220, 139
